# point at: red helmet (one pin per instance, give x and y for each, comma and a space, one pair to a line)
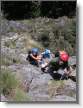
64, 57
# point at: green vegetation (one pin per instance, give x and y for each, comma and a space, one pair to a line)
55, 87
35, 9
5, 60
41, 24
30, 9
10, 44
10, 86
57, 84
31, 43
58, 88
20, 95
47, 33
54, 35
8, 81
71, 93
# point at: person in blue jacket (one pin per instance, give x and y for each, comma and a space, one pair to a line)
46, 54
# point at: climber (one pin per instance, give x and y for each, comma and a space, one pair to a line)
46, 54
33, 56
59, 62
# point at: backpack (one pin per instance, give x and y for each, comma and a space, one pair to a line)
46, 54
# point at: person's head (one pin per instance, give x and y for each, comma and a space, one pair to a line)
64, 57
35, 51
34, 54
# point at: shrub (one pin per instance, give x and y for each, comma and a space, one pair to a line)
8, 60
8, 81
11, 44
55, 87
10, 86
20, 95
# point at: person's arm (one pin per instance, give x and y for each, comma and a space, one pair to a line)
35, 58
39, 57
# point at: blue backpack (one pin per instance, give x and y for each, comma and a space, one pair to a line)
46, 54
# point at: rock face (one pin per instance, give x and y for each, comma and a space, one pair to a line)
39, 86
62, 98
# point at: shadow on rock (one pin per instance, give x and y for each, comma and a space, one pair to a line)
58, 76
55, 76
73, 78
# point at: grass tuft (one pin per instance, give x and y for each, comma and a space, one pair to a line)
10, 86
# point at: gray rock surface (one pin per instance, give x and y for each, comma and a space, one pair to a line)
64, 98
38, 81
3, 98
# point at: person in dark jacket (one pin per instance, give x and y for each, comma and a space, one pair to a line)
59, 62
33, 56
